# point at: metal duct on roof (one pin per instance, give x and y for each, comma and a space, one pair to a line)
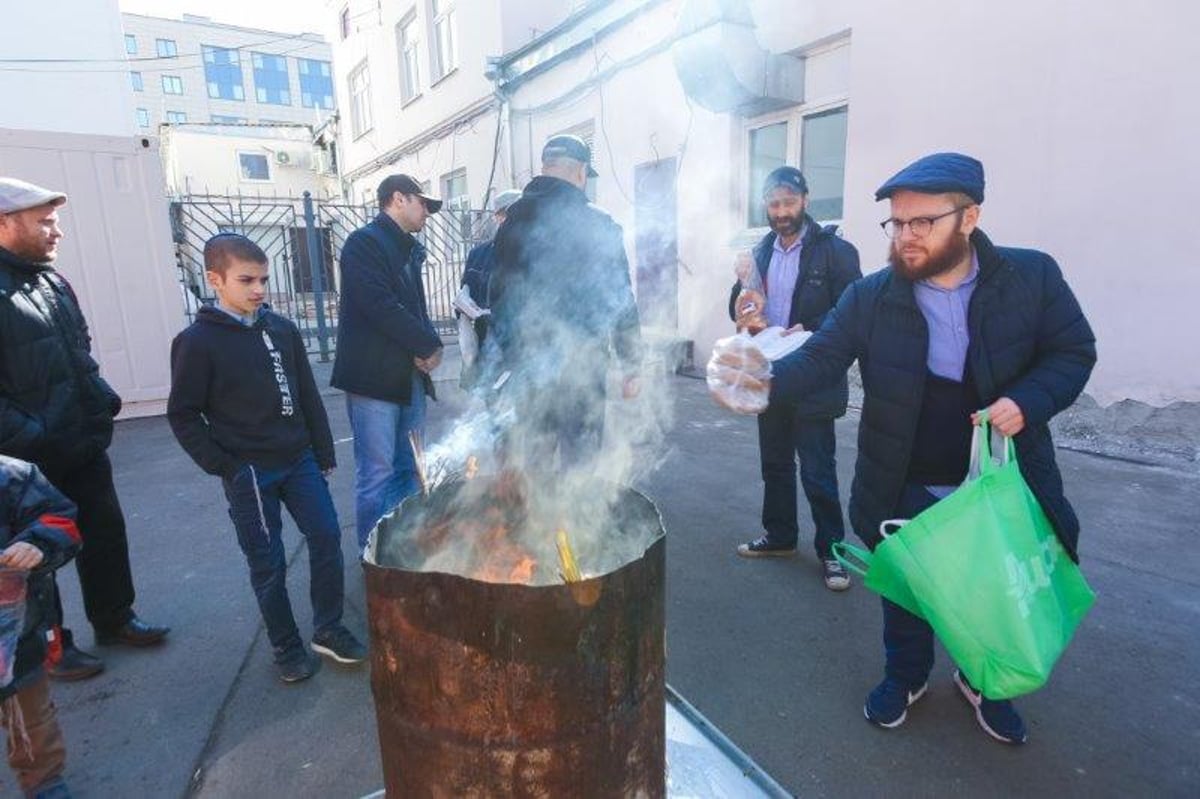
722, 66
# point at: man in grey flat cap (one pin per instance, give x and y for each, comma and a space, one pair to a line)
952, 324
56, 411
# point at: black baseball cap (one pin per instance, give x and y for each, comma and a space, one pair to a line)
567, 146
787, 177
405, 184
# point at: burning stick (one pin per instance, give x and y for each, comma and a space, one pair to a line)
414, 440
570, 569
472, 467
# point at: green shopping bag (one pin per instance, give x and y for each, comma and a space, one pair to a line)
985, 569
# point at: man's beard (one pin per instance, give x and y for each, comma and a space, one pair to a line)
938, 261
787, 225
33, 251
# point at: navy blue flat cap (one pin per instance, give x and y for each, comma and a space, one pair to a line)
788, 177
937, 174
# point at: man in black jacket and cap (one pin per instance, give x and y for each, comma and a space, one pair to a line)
951, 325
561, 304
805, 268
56, 411
387, 347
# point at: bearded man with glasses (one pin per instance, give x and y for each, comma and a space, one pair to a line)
952, 324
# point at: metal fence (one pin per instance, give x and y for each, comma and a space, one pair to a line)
303, 239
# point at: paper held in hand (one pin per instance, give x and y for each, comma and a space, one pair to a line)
467, 306
774, 344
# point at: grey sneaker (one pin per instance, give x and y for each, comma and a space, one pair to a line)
764, 548
836, 577
299, 668
338, 643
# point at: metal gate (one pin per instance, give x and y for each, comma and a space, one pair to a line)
303, 239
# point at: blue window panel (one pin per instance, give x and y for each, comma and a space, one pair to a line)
223, 119
223, 73
166, 48
176, 117
130, 44
136, 78
172, 84
271, 79
316, 84
143, 118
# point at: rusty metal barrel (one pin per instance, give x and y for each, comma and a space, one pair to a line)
506, 690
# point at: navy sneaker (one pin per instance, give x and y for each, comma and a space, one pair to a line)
998, 717
298, 667
887, 706
765, 548
338, 643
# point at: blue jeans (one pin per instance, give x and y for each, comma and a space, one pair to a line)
385, 471
255, 496
781, 438
908, 639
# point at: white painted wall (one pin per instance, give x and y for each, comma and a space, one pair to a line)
88, 97
116, 250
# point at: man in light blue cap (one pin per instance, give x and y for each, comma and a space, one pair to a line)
952, 324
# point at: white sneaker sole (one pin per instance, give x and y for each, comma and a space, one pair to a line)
912, 698
976, 702
329, 653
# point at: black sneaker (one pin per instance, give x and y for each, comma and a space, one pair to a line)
75, 664
835, 574
765, 548
338, 643
998, 717
298, 668
887, 706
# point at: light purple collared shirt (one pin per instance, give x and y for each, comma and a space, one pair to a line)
782, 274
945, 312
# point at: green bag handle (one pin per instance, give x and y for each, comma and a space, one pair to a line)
981, 449
843, 552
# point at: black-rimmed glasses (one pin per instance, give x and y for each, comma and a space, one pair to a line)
919, 226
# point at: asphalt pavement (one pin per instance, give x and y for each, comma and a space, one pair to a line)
777, 662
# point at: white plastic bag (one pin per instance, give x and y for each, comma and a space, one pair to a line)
739, 375
468, 342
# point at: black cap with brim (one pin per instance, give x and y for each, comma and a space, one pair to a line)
573, 147
406, 184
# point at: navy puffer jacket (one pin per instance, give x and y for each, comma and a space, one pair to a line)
1030, 342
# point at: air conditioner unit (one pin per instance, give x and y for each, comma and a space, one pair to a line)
283, 158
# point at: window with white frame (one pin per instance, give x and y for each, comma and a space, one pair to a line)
143, 118
444, 39
359, 83
172, 84
408, 42
823, 161
454, 189
130, 44
254, 166
813, 139
176, 117
166, 48
136, 79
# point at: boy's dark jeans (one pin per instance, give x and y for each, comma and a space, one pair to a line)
908, 639
255, 497
781, 438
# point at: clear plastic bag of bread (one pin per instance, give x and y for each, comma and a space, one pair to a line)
750, 307
739, 375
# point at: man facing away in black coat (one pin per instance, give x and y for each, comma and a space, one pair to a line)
561, 304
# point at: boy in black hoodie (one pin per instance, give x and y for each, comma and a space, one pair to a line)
245, 406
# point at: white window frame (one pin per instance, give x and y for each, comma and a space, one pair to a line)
450, 177
409, 51
361, 119
173, 81
143, 114
166, 48
135, 78
794, 117
167, 116
242, 176
442, 26
131, 41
